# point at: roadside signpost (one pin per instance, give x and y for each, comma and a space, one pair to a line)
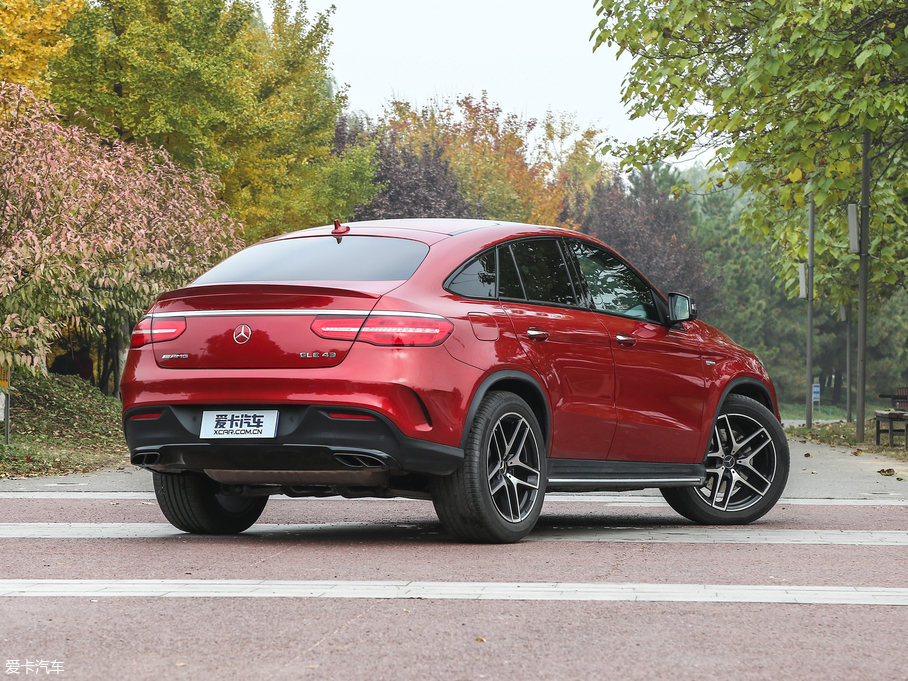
5, 394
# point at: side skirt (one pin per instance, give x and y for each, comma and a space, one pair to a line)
585, 475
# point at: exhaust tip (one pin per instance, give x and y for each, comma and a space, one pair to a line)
145, 458
357, 460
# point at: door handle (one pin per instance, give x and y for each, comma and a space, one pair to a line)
537, 334
625, 340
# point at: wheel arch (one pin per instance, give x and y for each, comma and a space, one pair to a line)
524, 386
744, 386
747, 387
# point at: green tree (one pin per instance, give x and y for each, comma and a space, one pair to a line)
208, 76
287, 171
168, 71
751, 308
781, 92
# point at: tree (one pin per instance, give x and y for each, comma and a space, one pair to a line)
169, 72
752, 310
652, 229
30, 38
92, 229
207, 76
413, 184
499, 160
780, 91
287, 173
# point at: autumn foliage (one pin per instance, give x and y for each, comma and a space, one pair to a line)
92, 229
30, 36
514, 169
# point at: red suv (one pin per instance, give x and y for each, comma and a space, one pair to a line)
478, 364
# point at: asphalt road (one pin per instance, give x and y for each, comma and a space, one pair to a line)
96, 585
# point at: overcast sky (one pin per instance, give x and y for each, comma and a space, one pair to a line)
529, 55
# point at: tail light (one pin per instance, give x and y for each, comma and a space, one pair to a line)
405, 331
141, 335
151, 330
386, 330
337, 328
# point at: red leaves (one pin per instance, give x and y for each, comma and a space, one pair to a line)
79, 213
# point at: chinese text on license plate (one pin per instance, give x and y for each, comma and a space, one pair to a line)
239, 424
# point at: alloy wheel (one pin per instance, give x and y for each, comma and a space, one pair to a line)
740, 464
513, 467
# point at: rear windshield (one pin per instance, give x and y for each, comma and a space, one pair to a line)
322, 258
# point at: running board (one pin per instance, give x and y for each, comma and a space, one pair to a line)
586, 475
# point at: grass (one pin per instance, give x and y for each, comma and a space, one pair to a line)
844, 435
822, 412
60, 425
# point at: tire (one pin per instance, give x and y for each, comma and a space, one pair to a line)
747, 466
192, 503
496, 496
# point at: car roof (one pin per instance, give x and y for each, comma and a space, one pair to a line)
438, 226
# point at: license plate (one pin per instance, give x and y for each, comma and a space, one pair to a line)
238, 424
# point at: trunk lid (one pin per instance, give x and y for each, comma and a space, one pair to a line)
257, 326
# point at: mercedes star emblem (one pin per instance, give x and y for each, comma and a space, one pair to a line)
242, 333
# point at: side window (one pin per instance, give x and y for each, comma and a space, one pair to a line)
476, 279
614, 287
543, 271
509, 285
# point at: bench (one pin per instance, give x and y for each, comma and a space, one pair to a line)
899, 399
891, 418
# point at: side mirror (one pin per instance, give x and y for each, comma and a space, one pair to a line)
681, 308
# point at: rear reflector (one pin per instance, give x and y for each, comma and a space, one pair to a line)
142, 417
352, 417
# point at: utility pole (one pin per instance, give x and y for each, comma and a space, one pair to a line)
811, 214
848, 360
862, 286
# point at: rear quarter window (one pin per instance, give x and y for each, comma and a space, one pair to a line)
321, 258
476, 279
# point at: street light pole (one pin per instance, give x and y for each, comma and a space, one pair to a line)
862, 286
811, 213
848, 360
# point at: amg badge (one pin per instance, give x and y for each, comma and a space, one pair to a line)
314, 355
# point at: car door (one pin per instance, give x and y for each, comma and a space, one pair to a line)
565, 342
660, 387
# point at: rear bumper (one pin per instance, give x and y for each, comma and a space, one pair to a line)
424, 392
310, 447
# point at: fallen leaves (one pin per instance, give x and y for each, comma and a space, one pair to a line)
886, 471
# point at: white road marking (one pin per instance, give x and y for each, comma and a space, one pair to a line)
521, 591
552, 498
77, 495
722, 535
692, 534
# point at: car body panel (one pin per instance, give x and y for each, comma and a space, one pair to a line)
661, 391
574, 359
600, 403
